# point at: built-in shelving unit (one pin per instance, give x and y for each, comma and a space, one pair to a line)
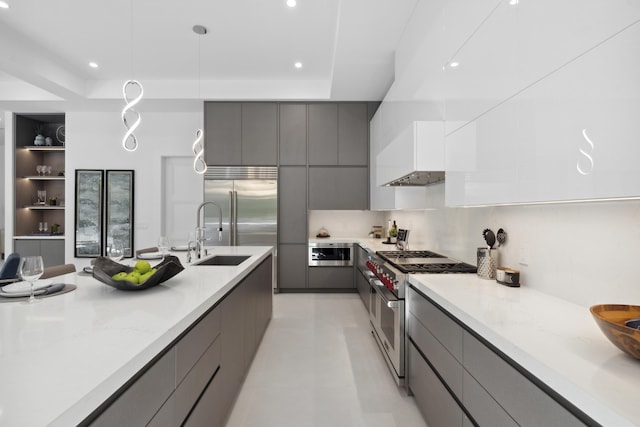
30, 213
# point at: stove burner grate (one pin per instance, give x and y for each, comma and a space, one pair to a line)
409, 254
437, 268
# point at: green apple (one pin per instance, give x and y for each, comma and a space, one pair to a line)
133, 277
142, 267
119, 276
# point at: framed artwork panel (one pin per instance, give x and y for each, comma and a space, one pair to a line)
88, 213
119, 213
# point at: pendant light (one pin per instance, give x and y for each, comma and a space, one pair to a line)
131, 117
199, 164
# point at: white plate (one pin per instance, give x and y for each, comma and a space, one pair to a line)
180, 248
21, 294
21, 287
88, 269
150, 255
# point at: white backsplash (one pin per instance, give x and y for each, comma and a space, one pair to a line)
582, 252
344, 223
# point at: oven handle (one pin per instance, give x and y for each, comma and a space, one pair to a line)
389, 300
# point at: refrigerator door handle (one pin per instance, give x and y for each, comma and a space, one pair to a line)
233, 218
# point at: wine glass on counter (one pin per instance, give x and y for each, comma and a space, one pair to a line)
115, 251
31, 268
163, 246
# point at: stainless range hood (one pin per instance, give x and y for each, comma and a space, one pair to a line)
418, 179
416, 157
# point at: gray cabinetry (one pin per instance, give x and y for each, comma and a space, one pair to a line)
523, 400
293, 134
292, 200
138, 404
323, 134
331, 278
260, 134
334, 188
223, 133
353, 134
443, 354
195, 381
51, 250
438, 407
292, 266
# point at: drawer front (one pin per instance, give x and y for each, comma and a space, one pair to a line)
482, 407
331, 277
524, 401
138, 404
436, 404
176, 409
445, 330
191, 347
443, 362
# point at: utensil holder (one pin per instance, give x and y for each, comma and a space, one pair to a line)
487, 263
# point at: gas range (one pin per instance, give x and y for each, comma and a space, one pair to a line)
390, 267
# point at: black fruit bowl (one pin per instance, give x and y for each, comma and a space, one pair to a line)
104, 268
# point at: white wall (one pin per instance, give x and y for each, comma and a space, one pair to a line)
94, 142
2, 185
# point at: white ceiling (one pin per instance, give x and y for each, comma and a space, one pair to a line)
346, 46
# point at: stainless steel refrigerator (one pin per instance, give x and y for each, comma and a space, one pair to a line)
248, 197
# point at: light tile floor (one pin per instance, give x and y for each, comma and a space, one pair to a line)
318, 365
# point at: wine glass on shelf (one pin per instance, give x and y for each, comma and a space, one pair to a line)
39, 169
163, 246
31, 268
115, 251
49, 169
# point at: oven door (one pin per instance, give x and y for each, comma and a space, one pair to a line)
330, 254
387, 317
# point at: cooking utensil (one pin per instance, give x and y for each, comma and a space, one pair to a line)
489, 237
501, 236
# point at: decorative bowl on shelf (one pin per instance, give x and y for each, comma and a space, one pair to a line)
612, 318
104, 269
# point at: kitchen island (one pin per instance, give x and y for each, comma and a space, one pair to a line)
65, 359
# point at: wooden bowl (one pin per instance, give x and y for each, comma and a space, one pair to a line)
104, 268
611, 319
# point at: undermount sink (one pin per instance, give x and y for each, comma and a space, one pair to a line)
224, 260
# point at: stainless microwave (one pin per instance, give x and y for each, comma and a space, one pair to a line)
330, 254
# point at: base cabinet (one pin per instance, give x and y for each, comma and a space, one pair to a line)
331, 278
196, 380
448, 365
51, 250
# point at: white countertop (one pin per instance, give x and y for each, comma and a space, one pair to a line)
555, 340
62, 356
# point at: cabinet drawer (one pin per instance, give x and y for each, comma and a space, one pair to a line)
445, 330
331, 277
138, 404
482, 407
195, 343
442, 361
524, 401
436, 404
176, 409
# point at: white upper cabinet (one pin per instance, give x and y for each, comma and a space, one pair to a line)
544, 96
572, 135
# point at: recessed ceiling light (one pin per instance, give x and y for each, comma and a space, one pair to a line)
514, 2
453, 64
298, 65
5, 5
93, 64
291, 3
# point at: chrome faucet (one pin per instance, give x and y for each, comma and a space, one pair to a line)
200, 232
